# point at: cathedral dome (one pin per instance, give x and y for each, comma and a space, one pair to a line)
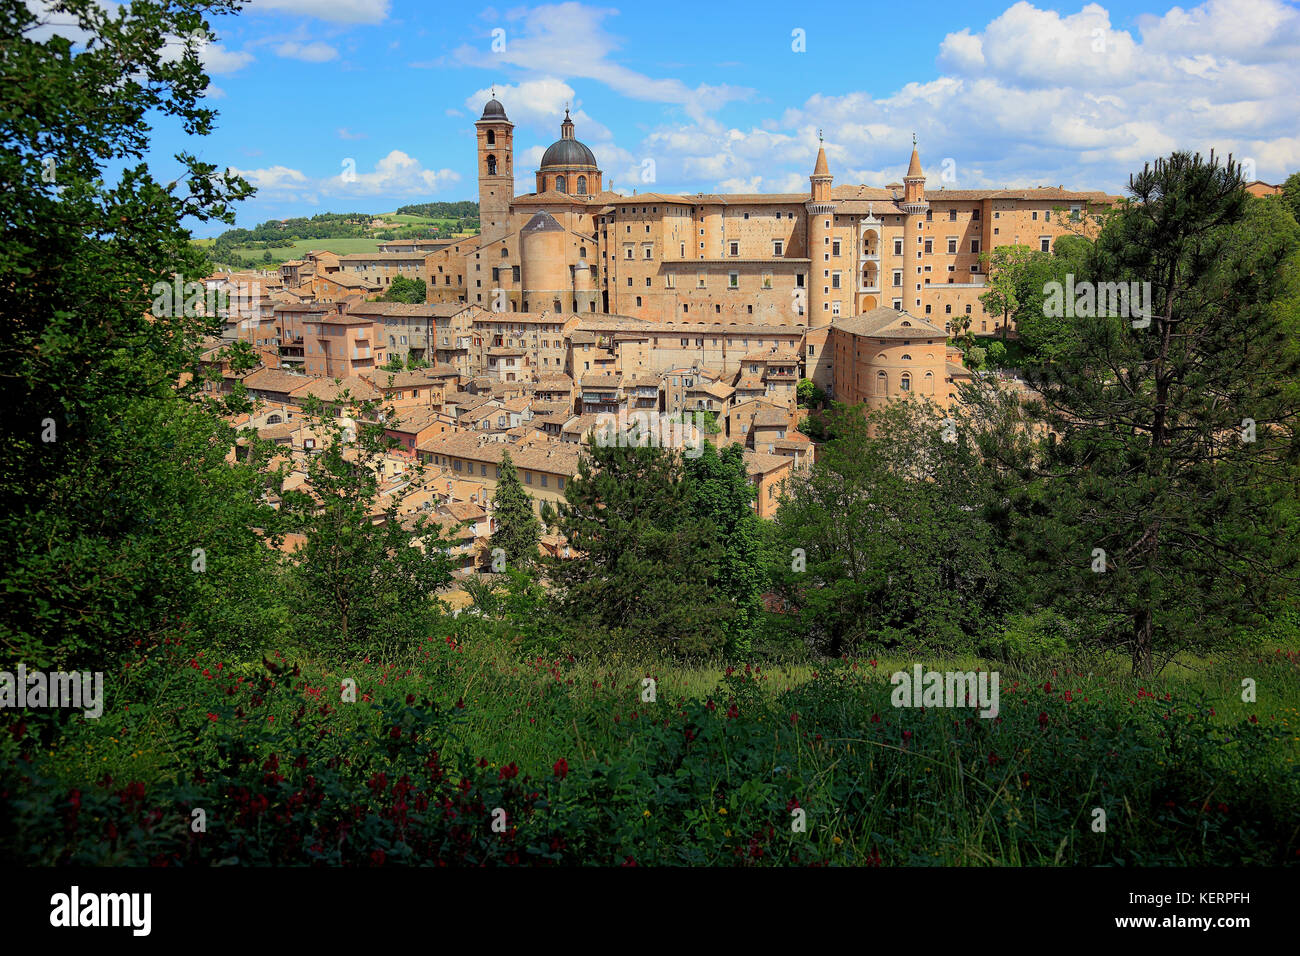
567, 151
493, 110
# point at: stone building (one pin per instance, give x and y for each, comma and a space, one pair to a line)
706, 274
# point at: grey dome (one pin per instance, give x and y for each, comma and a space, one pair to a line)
542, 222
493, 110
568, 152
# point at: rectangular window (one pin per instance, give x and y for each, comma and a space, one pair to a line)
835, 248
975, 246
735, 248
952, 247
777, 247
835, 280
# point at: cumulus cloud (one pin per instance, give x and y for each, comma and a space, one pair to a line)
396, 174
316, 52
569, 40
337, 11
273, 177
1035, 98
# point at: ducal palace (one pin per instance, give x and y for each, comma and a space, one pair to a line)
855, 287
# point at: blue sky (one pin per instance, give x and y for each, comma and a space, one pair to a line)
717, 97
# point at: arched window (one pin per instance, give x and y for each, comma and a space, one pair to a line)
968, 310
882, 383
908, 324
907, 358
582, 185
905, 383
929, 383
492, 165
492, 137
504, 252
274, 420
582, 252
560, 185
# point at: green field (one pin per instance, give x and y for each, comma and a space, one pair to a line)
303, 246
410, 220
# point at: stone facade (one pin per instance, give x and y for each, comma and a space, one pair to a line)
714, 277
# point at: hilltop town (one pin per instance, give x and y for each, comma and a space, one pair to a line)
575, 302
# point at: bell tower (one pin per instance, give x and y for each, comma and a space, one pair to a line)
496, 169
821, 211
914, 208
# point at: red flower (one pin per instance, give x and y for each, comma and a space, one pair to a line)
508, 772
907, 735
733, 711
1042, 719
561, 768
211, 716
875, 718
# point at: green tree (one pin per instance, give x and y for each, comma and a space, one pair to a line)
808, 394
1005, 266
1042, 334
1169, 490
367, 576
113, 467
518, 529
721, 494
403, 289
887, 538
643, 561
1291, 195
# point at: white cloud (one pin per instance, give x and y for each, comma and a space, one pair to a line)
345, 133
316, 52
217, 59
337, 11
568, 40
397, 174
273, 177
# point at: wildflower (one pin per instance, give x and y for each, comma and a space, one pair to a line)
561, 768
722, 810
646, 813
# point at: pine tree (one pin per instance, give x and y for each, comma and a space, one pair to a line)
518, 529
1168, 493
